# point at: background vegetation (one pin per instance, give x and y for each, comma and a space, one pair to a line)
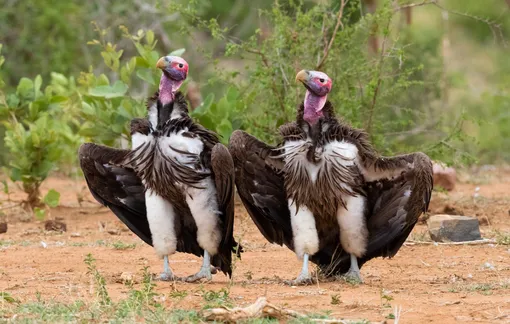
71, 72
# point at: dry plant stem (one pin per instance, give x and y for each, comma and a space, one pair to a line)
265, 61
368, 126
260, 309
478, 242
412, 5
338, 24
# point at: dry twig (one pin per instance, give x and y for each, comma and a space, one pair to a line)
338, 24
477, 242
261, 309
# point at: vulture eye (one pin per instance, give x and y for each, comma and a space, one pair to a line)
181, 65
322, 80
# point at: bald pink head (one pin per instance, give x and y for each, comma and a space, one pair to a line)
175, 71
318, 85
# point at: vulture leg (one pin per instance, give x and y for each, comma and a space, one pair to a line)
205, 270
354, 274
167, 274
304, 277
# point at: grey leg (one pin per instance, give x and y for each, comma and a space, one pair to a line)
205, 270
354, 273
167, 274
304, 277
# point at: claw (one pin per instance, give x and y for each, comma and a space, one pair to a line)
205, 272
353, 277
167, 276
301, 280
202, 274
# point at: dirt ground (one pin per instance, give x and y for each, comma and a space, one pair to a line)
431, 283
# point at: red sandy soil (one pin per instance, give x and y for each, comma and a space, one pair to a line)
431, 283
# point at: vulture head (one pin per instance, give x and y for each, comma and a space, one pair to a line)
318, 85
175, 71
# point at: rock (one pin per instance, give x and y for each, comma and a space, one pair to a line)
126, 277
452, 210
3, 227
443, 176
55, 225
450, 228
113, 232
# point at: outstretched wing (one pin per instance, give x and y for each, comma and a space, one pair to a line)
260, 184
398, 191
223, 170
115, 186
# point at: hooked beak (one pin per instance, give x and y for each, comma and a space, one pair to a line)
302, 76
162, 63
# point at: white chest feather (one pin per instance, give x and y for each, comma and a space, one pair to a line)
138, 139
183, 149
338, 152
153, 115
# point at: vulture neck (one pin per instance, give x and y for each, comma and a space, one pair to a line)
167, 89
313, 107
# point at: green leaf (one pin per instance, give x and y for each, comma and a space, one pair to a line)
178, 52
15, 174
149, 37
119, 89
146, 75
25, 88
52, 198
205, 105
5, 296
232, 94
39, 213
6, 187
225, 130
59, 79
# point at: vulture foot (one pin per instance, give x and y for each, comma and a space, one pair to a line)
301, 280
353, 276
204, 273
167, 276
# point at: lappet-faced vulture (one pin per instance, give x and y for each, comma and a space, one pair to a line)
175, 187
324, 191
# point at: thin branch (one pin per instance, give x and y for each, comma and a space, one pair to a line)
338, 24
368, 126
477, 242
11, 206
412, 5
495, 28
265, 61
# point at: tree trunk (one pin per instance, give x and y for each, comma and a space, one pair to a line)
34, 195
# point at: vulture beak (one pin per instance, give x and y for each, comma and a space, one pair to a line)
162, 63
174, 67
302, 76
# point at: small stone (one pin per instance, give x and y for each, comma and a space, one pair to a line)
3, 228
452, 228
444, 176
75, 234
126, 277
113, 232
55, 225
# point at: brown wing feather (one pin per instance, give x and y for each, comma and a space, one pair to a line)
223, 170
115, 186
394, 206
259, 182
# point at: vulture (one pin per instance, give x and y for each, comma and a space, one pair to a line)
175, 187
324, 191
